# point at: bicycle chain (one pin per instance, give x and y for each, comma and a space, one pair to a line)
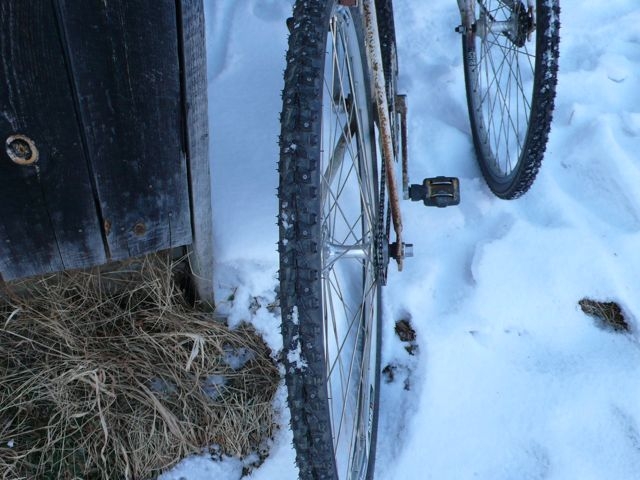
383, 231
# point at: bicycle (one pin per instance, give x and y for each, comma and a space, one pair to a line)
343, 134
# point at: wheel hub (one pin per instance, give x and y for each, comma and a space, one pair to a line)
523, 24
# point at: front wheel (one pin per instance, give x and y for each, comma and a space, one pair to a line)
329, 244
510, 58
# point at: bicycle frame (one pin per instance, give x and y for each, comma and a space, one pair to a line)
482, 25
374, 56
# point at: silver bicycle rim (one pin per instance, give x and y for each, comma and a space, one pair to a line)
349, 290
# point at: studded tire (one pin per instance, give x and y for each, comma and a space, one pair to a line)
328, 222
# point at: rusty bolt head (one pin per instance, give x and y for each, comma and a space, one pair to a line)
139, 229
21, 150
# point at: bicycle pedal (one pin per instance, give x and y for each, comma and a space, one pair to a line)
436, 192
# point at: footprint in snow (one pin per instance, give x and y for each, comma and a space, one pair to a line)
628, 426
631, 124
219, 17
488, 232
400, 371
399, 392
600, 175
271, 10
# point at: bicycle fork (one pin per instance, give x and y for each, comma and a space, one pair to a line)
437, 191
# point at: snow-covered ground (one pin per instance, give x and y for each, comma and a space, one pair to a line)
511, 379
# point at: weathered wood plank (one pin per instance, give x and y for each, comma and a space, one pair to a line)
47, 212
191, 27
124, 56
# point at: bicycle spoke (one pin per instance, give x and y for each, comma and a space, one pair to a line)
510, 92
500, 93
348, 200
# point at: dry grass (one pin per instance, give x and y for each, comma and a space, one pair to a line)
112, 376
607, 314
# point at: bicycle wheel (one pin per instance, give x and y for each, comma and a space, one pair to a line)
328, 222
510, 61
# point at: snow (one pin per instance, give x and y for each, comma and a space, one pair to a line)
202, 467
510, 379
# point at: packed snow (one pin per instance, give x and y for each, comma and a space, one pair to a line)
510, 379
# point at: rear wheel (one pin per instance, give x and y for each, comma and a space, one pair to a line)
329, 236
510, 62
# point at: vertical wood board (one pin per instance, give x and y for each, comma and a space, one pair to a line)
124, 57
47, 211
194, 68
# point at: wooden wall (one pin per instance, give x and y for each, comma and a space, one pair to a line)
97, 91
